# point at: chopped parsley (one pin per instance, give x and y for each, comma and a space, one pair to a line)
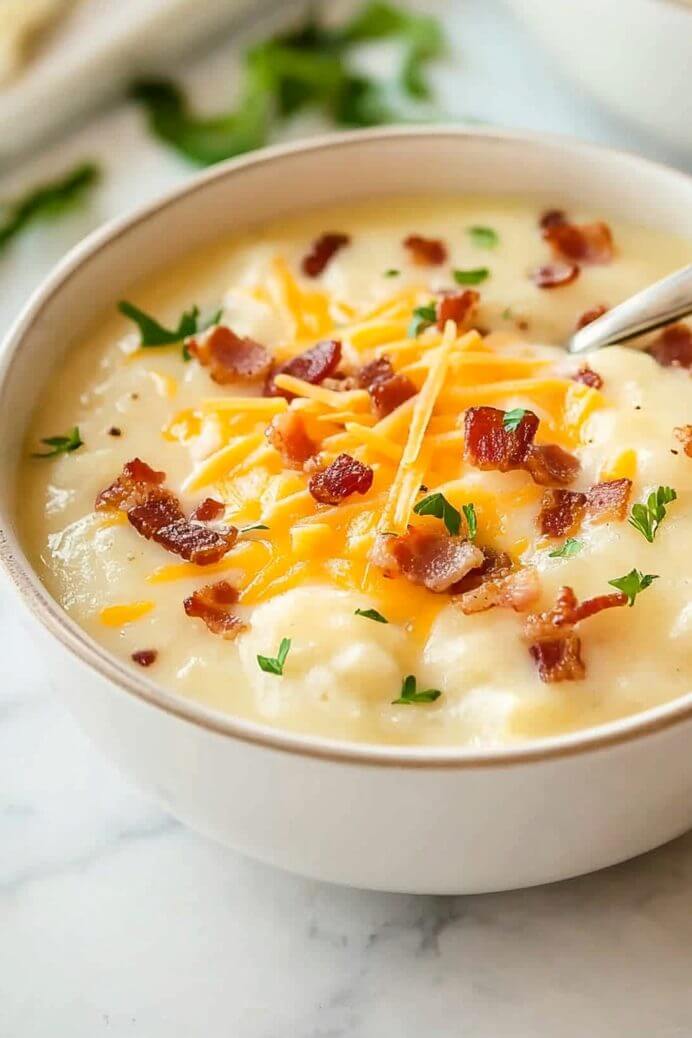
307, 67
471, 277
484, 237
372, 614
513, 419
471, 520
61, 444
153, 334
409, 694
254, 526
633, 583
438, 505
572, 546
46, 200
392, 273
423, 317
275, 664
647, 518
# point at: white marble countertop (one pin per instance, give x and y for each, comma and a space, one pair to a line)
117, 921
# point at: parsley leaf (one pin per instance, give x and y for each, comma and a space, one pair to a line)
439, 506
46, 200
647, 518
484, 237
471, 520
153, 334
409, 694
392, 273
423, 317
572, 546
633, 583
275, 664
471, 277
513, 419
372, 614
254, 526
61, 444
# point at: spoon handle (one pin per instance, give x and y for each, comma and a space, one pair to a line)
667, 300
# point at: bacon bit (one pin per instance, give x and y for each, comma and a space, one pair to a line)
683, 433
607, 502
559, 659
552, 218
211, 604
387, 389
561, 512
321, 252
115, 431
457, 307
345, 476
145, 657
287, 435
488, 445
580, 243
208, 510
427, 252
313, 366
551, 464
517, 591
554, 275
229, 356
376, 371
435, 560
496, 564
588, 377
131, 487
156, 514
591, 315
673, 347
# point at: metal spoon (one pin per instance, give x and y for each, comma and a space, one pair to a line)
665, 301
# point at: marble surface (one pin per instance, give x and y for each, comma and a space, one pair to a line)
117, 921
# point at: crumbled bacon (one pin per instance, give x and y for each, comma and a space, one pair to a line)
587, 377
559, 659
580, 243
554, 275
683, 433
495, 564
387, 389
428, 252
561, 512
212, 604
145, 657
345, 476
607, 502
321, 252
457, 307
517, 591
229, 356
131, 487
552, 218
673, 347
591, 315
313, 366
551, 464
288, 435
156, 514
435, 560
208, 510
489, 445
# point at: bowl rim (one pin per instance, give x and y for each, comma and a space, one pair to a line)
75, 639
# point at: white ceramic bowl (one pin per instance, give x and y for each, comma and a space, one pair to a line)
436, 820
634, 55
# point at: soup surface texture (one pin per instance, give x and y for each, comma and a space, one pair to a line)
417, 551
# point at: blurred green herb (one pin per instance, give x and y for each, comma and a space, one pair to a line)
307, 67
569, 548
423, 317
484, 237
46, 201
372, 614
471, 277
61, 444
152, 334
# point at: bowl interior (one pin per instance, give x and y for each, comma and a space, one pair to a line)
238, 195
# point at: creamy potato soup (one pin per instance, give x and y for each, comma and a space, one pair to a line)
339, 476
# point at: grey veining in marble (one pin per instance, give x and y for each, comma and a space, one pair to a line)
115, 921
